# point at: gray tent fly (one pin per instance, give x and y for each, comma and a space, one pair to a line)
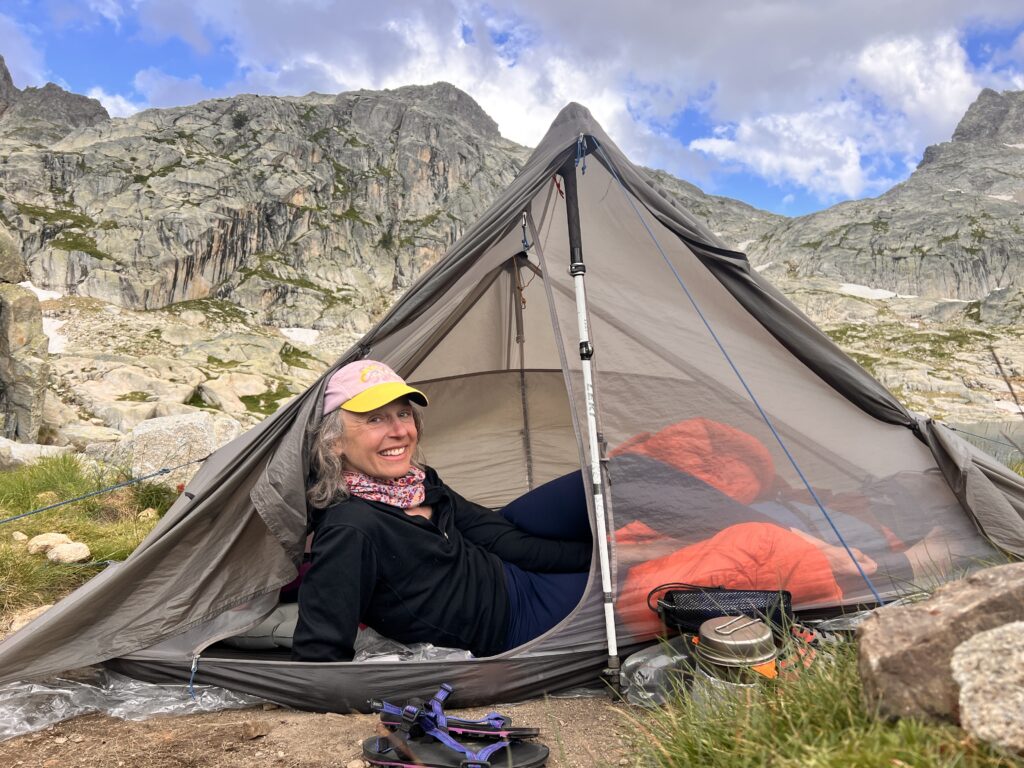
585, 322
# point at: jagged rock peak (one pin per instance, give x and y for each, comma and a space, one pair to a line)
993, 117
44, 114
446, 99
8, 91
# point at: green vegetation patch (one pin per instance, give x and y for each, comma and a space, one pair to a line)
220, 309
67, 216
107, 523
267, 402
74, 241
137, 396
297, 358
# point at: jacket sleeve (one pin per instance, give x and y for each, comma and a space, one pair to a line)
497, 535
334, 594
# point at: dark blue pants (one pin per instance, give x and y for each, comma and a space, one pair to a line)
538, 601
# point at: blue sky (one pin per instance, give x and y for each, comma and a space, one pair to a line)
791, 105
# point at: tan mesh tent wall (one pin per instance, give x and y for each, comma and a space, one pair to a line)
720, 408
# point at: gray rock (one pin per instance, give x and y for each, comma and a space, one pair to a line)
19, 536
225, 392
169, 441
989, 668
44, 542
905, 651
12, 267
69, 552
23, 363
14, 455
8, 91
81, 435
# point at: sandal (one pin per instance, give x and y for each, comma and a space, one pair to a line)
445, 752
416, 719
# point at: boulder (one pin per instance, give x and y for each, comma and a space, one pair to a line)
81, 435
12, 268
989, 668
170, 441
23, 365
55, 416
19, 536
905, 651
44, 542
225, 392
69, 552
14, 455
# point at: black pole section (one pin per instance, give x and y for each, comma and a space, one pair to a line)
572, 215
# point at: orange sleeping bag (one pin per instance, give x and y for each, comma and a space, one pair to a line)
744, 556
724, 457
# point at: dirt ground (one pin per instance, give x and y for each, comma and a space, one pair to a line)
581, 732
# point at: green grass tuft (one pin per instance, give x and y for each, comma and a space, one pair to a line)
107, 523
816, 718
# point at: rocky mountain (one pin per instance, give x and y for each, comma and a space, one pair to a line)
213, 259
314, 211
953, 230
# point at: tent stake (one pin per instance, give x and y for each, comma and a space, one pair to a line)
577, 269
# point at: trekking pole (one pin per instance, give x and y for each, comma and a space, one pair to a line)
577, 269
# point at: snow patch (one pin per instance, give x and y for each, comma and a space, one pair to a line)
301, 335
41, 293
864, 292
744, 245
58, 341
1007, 198
763, 267
1013, 146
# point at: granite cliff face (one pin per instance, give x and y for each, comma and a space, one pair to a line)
953, 230
314, 211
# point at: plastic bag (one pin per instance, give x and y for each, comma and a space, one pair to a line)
31, 706
650, 677
370, 645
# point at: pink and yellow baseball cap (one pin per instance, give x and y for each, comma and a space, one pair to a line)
365, 385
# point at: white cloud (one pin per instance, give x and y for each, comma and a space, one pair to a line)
111, 10
819, 150
115, 104
927, 81
162, 90
23, 58
839, 97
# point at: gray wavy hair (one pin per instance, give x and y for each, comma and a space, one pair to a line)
328, 462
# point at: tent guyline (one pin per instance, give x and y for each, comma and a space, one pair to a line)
983, 437
742, 380
108, 489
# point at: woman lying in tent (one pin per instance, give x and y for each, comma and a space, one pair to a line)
397, 549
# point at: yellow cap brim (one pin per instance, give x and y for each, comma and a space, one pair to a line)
382, 394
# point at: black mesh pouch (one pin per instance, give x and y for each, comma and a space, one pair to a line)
686, 606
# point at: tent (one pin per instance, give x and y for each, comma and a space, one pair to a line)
586, 321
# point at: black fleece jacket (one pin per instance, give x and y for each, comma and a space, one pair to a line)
416, 580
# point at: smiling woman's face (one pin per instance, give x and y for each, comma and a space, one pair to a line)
381, 443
